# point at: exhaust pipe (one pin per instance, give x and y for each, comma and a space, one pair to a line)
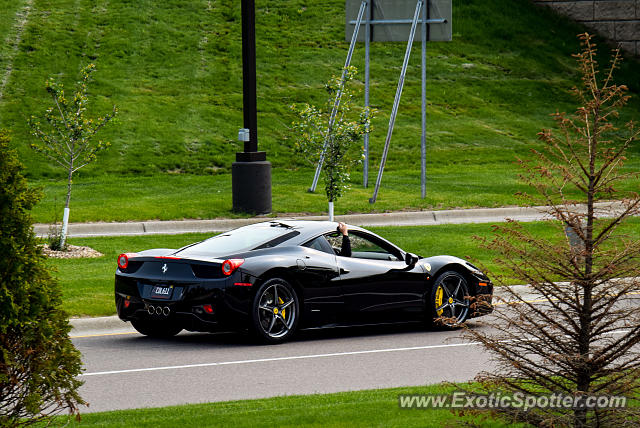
158, 310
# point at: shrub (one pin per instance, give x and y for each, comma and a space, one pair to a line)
38, 362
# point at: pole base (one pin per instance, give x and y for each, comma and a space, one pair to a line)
251, 187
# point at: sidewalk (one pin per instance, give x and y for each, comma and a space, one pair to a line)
400, 218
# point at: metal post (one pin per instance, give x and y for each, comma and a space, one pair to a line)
336, 103
367, 43
396, 101
251, 172
250, 109
423, 140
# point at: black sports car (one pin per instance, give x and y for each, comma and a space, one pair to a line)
276, 277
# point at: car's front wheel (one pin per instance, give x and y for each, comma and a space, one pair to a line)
275, 311
449, 302
153, 328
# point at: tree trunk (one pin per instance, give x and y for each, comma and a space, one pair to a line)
65, 217
330, 210
584, 340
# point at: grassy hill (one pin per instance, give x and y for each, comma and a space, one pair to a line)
174, 70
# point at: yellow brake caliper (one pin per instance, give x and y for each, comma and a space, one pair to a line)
439, 295
283, 311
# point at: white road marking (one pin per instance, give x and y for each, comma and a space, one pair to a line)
300, 357
297, 357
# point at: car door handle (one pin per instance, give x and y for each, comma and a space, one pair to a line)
344, 271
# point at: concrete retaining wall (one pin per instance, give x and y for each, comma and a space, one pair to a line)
616, 20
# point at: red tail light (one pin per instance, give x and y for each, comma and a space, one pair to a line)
123, 259
230, 266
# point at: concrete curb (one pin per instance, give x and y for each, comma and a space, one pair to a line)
98, 326
401, 218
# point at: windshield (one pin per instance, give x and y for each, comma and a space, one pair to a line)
239, 240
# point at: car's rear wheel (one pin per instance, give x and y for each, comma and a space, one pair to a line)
449, 302
156, 328
275, 311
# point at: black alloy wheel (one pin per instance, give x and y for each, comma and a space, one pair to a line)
449, 303
275, 311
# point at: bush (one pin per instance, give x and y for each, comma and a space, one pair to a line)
38, 362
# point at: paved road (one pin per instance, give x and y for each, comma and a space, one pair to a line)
126, 370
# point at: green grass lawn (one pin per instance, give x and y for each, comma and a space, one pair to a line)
198, 196
87, 284
371, 408
173, 69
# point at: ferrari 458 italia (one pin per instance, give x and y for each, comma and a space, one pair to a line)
277, 277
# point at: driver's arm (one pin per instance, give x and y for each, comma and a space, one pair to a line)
345, 249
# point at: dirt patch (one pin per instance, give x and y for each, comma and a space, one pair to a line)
73, 252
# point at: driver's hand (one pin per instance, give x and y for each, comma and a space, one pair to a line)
342, 228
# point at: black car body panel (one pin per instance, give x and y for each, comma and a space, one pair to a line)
188, 286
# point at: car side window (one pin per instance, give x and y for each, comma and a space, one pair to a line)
335, 241
364, 248
320, 244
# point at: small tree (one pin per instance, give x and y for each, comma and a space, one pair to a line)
38, 362
68, 141
583, 340
316, 134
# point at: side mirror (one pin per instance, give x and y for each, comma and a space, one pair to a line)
410, 259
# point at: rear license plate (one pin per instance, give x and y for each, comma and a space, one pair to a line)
161, 292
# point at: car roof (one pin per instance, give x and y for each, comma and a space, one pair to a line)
307, 228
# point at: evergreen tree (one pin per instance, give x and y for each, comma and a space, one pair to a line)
580, 338
38, 362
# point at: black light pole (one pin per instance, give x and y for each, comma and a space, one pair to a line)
251, 172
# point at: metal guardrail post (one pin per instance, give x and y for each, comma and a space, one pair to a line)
423, 139
367, 43
396, 101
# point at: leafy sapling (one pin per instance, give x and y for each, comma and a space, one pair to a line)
67, 136
333, 133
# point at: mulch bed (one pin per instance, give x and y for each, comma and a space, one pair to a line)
73, 252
